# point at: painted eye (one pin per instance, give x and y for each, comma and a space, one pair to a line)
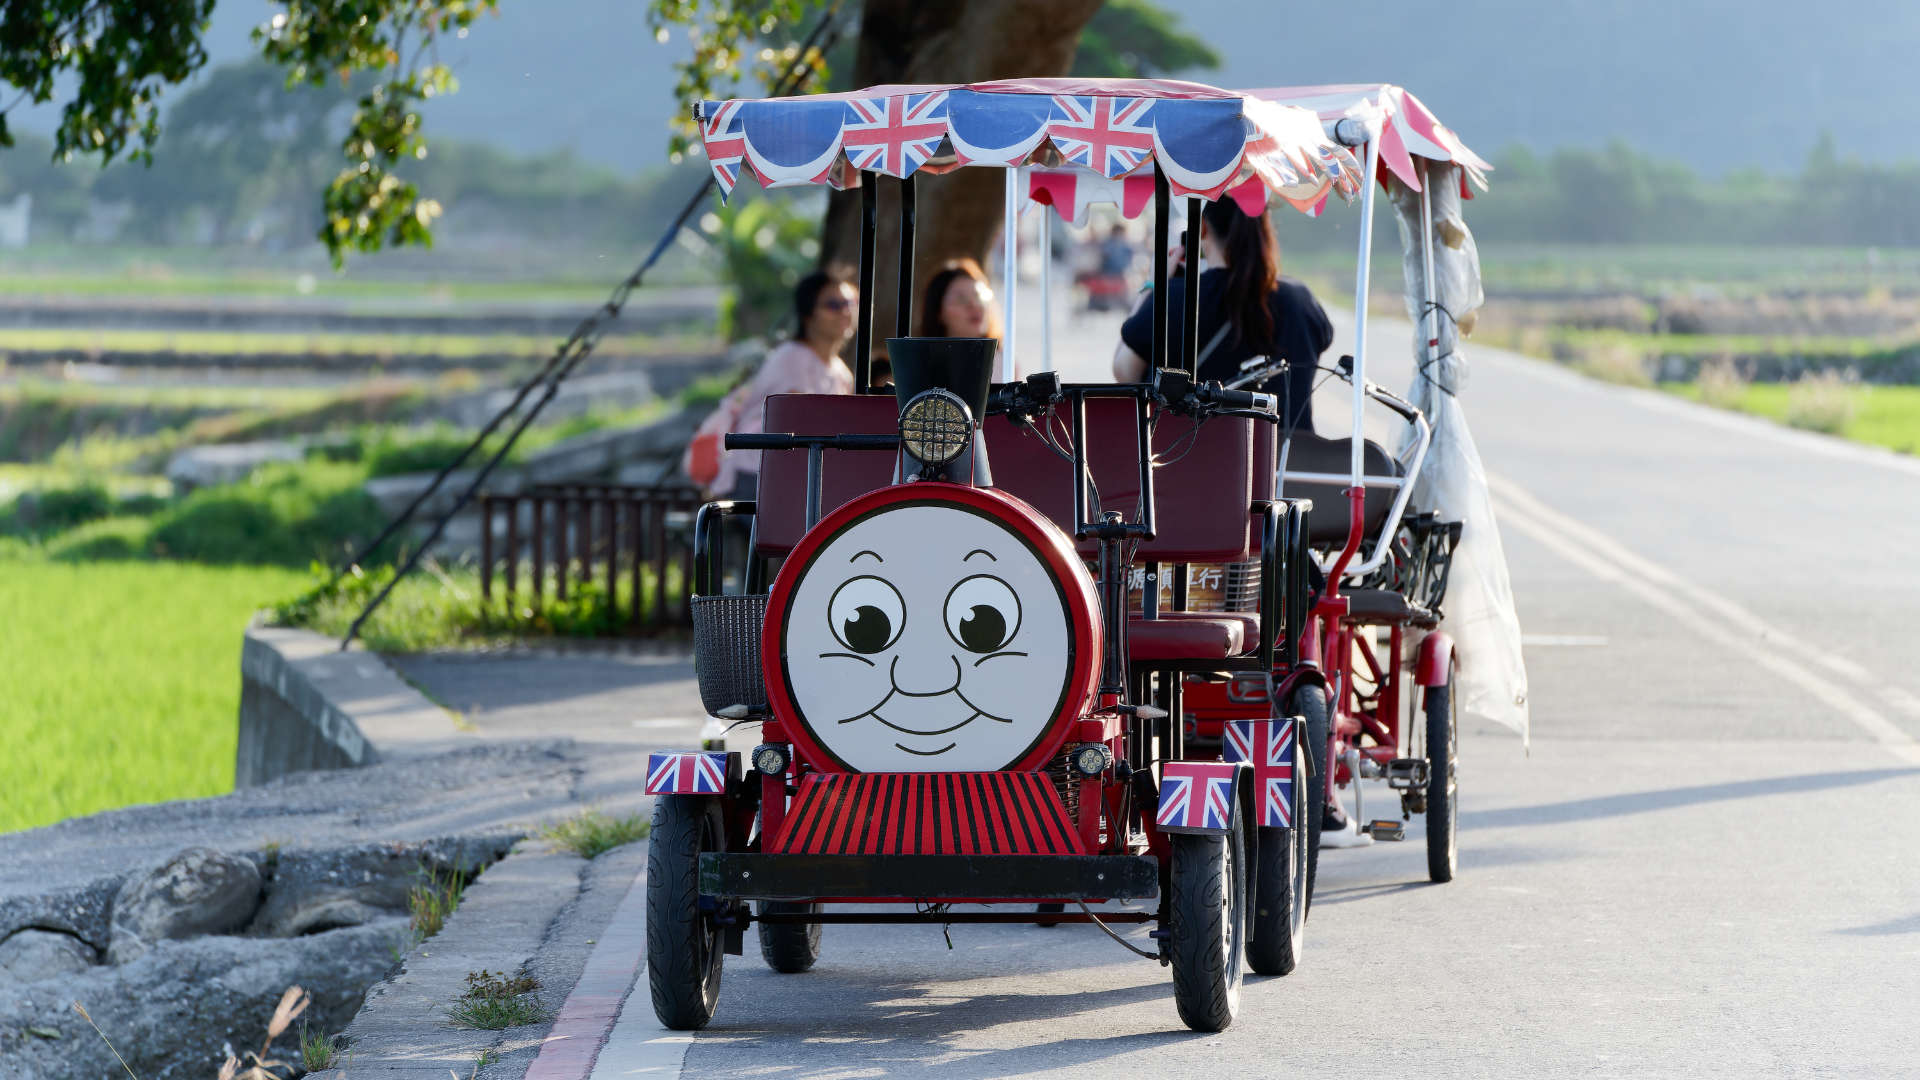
866, 614
983, 614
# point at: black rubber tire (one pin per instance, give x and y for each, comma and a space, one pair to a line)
1443, 785
1045, 908
1310, 701
789, 948
1206, 916
1277, 914
684, 944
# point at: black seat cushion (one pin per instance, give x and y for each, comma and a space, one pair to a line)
1383, 607
1327, 523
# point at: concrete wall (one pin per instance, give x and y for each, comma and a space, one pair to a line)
306, 705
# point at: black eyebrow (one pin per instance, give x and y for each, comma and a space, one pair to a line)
979, 551
875, 554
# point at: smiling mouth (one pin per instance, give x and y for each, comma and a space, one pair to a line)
918, 704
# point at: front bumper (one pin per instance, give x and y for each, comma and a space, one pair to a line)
930, 877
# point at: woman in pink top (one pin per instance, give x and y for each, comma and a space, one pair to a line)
807, 363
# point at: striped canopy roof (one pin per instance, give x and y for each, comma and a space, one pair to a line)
1204, 139
1408, 129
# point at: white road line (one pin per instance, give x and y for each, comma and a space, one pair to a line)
1562, 641
1712, 616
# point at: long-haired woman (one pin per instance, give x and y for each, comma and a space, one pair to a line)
1246, 310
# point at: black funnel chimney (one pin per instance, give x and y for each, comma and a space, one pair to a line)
964, 368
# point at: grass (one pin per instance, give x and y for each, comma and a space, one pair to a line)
495, 1002
318, 1051
441, 609
1887, 416
591, 833
122, 681
1614, 364
432, 899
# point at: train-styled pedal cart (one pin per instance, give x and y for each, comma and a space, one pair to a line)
1374, 673
955, 705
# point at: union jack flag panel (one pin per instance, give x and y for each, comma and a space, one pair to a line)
687, 773
1268, 745
894, 135
725, 140
1111, 136
1196, 796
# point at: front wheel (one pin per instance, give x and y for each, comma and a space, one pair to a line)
1310, 701
684, 947
1277, 923
1206, 904
1443, 787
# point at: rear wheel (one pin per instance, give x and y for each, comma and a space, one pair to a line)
1443, 810
1311, 702
1206, 913
1277, 920
684, 945
789, 948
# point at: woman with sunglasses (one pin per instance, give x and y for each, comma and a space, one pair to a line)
807, 363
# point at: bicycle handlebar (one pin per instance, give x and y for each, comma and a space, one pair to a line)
790, 441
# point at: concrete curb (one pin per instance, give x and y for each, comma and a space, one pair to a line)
306, 705
404, 1032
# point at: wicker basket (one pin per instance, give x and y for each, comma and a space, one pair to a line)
726, 650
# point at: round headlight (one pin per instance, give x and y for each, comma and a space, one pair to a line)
935, 427
771, 759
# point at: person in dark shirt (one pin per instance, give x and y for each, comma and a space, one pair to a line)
1246, 310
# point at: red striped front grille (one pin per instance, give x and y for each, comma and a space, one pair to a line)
1005, 813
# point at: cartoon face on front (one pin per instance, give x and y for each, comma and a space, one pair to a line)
927, 638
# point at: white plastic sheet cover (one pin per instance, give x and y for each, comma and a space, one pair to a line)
1491, 679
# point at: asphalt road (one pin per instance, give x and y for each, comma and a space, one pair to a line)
1706, 865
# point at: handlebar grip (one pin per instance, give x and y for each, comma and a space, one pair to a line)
759, 442
1393, 401
1240, 399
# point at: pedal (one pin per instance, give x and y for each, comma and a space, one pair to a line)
1407, 772
1385, 830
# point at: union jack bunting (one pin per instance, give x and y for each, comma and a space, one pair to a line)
1267, 745
894, 135
1111, 136
1196, 796
726, 143
688, 773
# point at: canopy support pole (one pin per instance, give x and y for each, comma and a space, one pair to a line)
1010, 271
1162, 211
863, 336
1190, 313
903, 307
1362, 281
1429, 309
1046, 289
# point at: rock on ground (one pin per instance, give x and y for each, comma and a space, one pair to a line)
198, 891
171, 1012
32, 955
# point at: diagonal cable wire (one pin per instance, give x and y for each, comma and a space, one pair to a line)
572, 352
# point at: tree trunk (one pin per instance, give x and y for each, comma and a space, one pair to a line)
913, 41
